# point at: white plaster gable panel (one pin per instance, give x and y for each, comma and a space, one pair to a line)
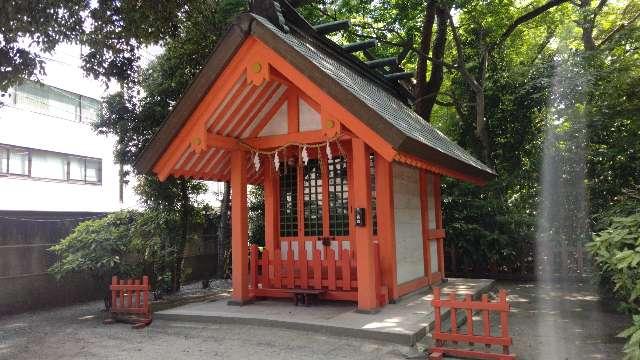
309, 117
408, 223
278, 125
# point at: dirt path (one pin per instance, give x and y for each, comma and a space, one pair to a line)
76, 332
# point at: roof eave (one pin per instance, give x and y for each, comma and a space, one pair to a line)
433, 155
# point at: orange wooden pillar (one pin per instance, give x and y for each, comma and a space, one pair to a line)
437, 191
363, 235
386, 225
239, 229
424, 212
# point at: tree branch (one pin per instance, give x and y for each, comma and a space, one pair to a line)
526, 17
461, 64
618, 29
598, 9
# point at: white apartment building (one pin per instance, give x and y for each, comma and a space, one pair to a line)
50, 157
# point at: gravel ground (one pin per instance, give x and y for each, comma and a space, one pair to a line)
563, 320
560, 321
77, 332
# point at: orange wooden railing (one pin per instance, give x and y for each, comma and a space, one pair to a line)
284, 271
469, 307
323, 271
131, 298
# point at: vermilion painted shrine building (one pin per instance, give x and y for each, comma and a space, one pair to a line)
351, 174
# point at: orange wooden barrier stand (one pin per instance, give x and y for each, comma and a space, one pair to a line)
130, 302
469, 306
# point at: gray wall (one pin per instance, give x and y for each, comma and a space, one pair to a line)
24, 260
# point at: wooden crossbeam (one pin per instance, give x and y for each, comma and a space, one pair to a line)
331, 27
379, 63
308, 137
399, 76
269, 142
359, 46
223, 142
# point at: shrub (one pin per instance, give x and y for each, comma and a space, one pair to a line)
616, 250
124, 243
100, 247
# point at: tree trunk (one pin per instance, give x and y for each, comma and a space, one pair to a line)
423, 53
481, 127
428, 100
482, 132
185, 215
587, 23
224, 230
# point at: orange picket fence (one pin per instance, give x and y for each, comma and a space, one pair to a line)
332, 272
484, 307
130, 301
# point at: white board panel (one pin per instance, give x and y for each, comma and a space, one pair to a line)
408, 223
433, 254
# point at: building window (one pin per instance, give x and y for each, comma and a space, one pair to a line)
288, 200
4, 160
48, 165
55, 102
41, 164
77, 168
338, 197
18, 161
312, 185
93, 170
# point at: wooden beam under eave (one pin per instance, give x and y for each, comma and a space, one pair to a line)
222, 142
307, 137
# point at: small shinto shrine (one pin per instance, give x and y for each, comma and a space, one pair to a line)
351, 174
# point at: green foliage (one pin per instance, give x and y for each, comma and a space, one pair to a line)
632, 347
128, 244
102, 247
256, 215
616, 250
134, 119
113, 33
45, 24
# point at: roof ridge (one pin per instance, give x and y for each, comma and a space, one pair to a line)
284, 16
